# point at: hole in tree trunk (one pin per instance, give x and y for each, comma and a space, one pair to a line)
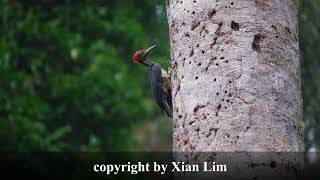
234, 26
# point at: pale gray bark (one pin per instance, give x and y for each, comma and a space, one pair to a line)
236, 75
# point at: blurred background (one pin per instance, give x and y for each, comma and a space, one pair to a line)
67, 81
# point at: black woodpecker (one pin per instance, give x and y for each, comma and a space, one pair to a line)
159, 80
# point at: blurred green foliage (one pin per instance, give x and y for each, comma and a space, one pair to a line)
309, 35
67, 81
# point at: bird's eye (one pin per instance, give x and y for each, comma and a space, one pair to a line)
140, 58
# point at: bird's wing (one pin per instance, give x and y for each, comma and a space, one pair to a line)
155, 82
169, 100
166, 105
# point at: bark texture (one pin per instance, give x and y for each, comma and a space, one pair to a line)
236, 75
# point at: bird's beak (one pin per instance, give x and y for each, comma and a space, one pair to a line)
147, 51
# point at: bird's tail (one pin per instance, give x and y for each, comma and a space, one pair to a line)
167, 109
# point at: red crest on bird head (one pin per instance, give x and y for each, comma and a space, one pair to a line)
140, 56
136, 56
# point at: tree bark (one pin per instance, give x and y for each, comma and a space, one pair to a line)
236, 75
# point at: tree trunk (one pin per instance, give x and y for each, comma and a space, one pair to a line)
236, 75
